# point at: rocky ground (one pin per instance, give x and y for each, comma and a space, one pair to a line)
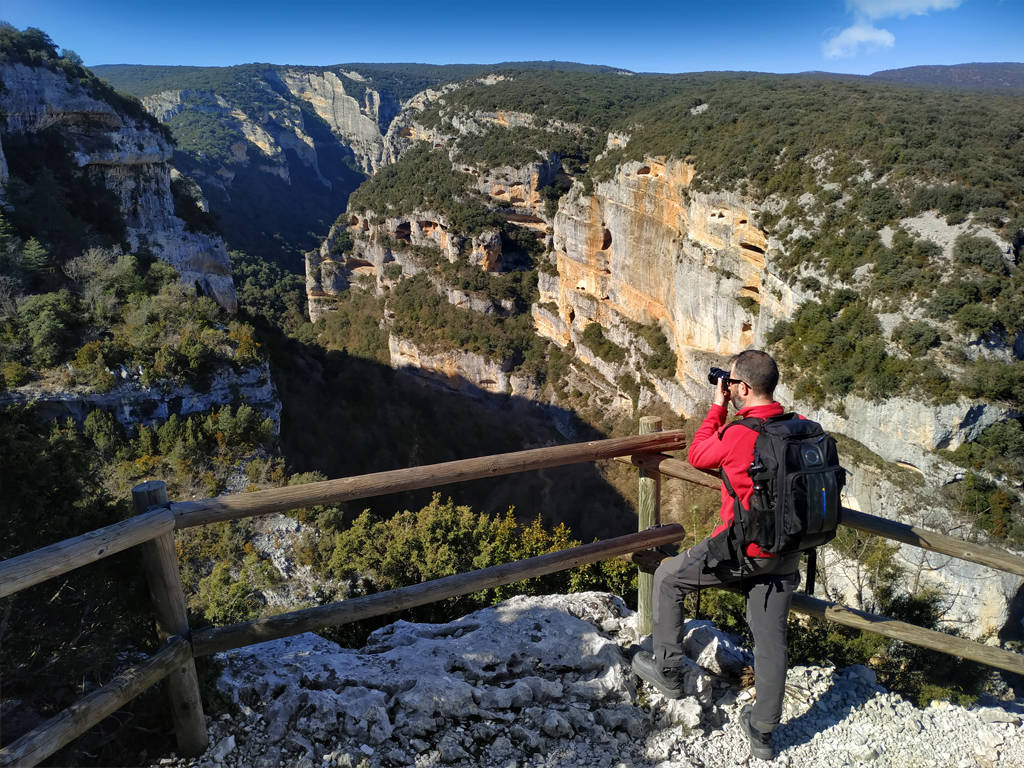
546, 681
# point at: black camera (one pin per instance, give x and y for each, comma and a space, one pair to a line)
715, 374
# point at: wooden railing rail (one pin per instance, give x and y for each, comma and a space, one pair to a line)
236, 506
909, 633
31, 568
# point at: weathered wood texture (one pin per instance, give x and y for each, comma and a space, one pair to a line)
648, 514
37, 745
909, 633
23, 571
982, 554
160, 562
242, 505
670, 467
212, 640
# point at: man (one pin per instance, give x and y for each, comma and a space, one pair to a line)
767, 581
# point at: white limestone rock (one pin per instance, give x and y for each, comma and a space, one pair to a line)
133, 403
132, 160
714, 650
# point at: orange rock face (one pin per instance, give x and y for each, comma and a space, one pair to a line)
644, 247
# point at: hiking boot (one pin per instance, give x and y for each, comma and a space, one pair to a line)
760, 743
669, 682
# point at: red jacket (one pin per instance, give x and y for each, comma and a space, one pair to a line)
732, 450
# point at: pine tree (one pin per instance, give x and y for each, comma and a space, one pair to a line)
35, 260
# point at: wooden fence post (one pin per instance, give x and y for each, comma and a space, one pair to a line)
648, 514
160, 561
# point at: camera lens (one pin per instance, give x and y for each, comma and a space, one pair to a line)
715, 374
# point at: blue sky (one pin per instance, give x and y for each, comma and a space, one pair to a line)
852, 36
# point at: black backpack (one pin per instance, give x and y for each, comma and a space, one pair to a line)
797, 479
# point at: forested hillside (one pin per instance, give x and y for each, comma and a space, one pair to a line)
1006, 75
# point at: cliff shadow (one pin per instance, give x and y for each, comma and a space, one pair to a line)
344, 415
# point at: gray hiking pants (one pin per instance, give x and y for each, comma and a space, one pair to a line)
767, 583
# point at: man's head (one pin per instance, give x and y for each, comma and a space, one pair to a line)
758, 375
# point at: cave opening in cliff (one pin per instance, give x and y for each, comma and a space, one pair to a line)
644, 171
606, 243
403, 232
752, 248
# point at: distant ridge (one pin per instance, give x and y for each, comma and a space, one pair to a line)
998, 75
402, 80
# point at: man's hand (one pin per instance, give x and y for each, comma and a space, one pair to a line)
722, 394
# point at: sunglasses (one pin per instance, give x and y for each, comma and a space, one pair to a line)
729, 382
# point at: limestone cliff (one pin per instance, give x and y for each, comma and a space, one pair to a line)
465, 372
643, 247
132, 160
401, 242
133, 403
518, 190
643, 253
360, 124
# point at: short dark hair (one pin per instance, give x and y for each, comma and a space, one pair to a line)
758, 370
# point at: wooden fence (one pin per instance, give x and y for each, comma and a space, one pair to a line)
153, 529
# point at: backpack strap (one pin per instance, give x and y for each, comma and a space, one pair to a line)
752, 422
740, 535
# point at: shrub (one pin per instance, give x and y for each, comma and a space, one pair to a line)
976, 320
593, 336
50, 320
90, 367
442, 539
916, 337
13, 374
950, 297
662, 359
981, 252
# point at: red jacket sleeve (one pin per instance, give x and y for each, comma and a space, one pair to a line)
706, 451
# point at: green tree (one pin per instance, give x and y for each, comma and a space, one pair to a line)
35, 260
49, 320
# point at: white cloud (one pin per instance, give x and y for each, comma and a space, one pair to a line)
864, 35
882, 9
852, 39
